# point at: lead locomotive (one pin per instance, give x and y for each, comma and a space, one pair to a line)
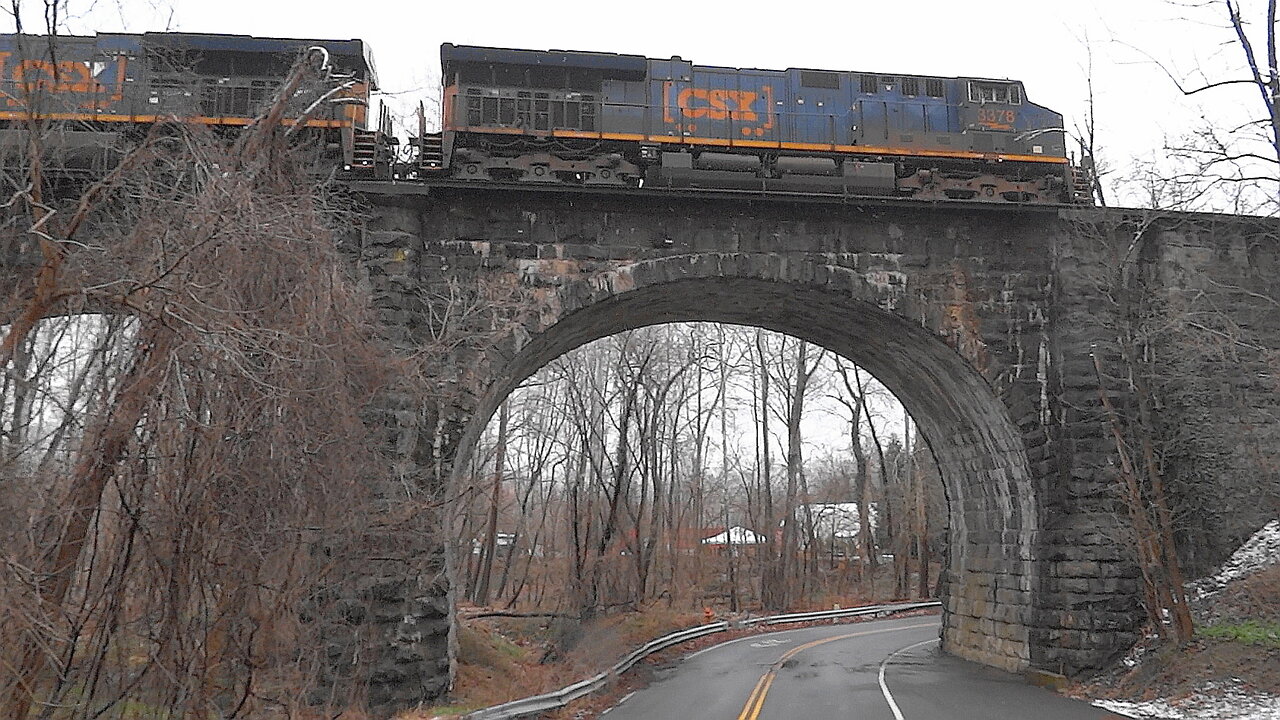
602, 119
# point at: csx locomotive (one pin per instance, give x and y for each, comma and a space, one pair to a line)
601, 119
563, 119
106, 88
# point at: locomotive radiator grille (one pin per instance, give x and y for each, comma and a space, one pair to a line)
523, 110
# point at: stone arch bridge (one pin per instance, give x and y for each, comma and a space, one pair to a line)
982, 320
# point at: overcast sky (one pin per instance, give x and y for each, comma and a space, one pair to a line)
1044, 44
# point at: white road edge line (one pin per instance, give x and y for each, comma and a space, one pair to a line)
888, 696
617, 704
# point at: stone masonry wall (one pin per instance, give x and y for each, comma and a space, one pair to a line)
981, 321
1214, 283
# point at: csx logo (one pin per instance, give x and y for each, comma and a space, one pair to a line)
717, 104
63, 77
751, 111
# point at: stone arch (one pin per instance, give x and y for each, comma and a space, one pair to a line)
937, 370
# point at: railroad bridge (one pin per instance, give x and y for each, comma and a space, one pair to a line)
984, 321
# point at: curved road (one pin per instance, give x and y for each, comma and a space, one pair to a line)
881, 670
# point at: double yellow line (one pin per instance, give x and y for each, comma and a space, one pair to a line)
755, 701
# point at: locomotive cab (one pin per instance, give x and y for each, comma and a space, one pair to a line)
998, 119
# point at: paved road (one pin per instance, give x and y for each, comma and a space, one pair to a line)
834, 672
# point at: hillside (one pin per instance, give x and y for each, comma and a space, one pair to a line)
1231, 671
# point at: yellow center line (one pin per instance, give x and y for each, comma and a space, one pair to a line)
755, 701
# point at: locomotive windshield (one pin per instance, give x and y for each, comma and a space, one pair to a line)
995, 92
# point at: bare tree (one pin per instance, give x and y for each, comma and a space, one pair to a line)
1139, 442
1231, 161
173, 555
481, 595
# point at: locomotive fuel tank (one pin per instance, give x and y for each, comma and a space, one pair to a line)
788, 165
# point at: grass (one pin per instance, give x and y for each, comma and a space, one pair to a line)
488, 648
1250, 632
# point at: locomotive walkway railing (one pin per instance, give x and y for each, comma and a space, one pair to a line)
559, 698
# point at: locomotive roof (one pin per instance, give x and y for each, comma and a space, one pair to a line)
355, 49
613, 62
638, 64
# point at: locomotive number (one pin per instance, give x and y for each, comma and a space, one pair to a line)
996, 118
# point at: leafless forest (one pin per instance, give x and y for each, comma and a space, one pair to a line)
698, 465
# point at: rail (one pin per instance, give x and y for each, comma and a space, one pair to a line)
559, 698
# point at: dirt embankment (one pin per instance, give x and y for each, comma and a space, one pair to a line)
1231, 670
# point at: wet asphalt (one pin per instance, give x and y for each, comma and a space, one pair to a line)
833, 672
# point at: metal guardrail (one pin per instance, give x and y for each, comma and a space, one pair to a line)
559, 698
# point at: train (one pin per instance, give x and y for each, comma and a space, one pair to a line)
104, 91
561, 119
565, 118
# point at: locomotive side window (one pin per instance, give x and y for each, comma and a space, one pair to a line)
933, 87
816, 79
991, 92
474, 107
868, 85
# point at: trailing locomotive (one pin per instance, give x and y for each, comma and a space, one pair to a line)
108, 86
602, 119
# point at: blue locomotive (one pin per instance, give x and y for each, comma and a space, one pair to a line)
105, 87
564, 118
603, 119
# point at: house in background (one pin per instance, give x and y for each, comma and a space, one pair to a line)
736, 535
835, 524
734, 540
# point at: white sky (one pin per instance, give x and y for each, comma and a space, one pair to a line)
1041, 43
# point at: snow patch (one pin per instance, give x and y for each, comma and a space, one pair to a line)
1133, 658
1260, 551
1214, 702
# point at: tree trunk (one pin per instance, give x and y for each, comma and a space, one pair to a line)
481, 596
